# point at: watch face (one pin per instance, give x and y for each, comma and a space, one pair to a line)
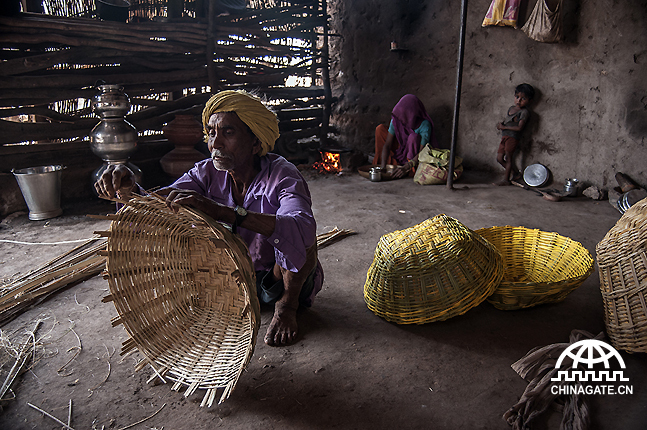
241, 211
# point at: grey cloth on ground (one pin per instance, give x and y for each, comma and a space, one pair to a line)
538, 367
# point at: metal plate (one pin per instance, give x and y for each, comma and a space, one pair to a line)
536, 175
386, 174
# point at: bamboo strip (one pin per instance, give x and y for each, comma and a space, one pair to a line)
85, 248
72, 266
21, 359
325, 239
151, 39
50, 416
54, 80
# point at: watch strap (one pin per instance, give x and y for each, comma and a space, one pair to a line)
239, 218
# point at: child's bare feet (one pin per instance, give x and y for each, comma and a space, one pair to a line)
516, 176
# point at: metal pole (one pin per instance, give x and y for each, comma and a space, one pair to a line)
457, 99
325, 74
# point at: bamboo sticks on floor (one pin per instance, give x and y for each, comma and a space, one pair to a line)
78, 264
325, 239
26, 351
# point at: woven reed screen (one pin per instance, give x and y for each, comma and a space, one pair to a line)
51, 63
184, 288
622, 265
432, 271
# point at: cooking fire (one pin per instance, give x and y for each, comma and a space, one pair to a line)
330, 162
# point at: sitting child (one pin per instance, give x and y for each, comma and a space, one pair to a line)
515, 120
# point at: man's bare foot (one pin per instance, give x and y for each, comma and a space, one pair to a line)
283, 327
516, 176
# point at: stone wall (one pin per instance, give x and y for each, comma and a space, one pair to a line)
590, 112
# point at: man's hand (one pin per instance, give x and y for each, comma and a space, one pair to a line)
499, 126
176, 197
117, 180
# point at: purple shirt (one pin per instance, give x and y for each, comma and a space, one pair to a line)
279, 189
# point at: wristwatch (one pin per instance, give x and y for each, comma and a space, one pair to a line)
241, 213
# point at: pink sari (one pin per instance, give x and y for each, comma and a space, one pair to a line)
407, 115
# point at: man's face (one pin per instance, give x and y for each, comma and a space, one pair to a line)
231, 143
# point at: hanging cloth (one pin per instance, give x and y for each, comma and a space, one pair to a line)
502, 13
544, 25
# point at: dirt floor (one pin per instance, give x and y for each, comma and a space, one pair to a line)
350, 369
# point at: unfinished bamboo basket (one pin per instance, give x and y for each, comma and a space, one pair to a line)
184, 288
622, 265
539, 267
432, 271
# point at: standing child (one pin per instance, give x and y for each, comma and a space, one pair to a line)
515, 120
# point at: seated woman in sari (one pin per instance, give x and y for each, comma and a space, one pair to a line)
410, 129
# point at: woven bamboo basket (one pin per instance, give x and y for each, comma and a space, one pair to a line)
184, 288
622, 265
539, 267
433, 271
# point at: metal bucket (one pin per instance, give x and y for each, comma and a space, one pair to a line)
41, 188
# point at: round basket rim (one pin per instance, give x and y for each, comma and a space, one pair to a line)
532, 293
157, 285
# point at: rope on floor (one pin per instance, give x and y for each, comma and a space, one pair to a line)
45, 243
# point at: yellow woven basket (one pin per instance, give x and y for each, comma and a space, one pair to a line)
539, 267
433, 271
184, 288
622, 265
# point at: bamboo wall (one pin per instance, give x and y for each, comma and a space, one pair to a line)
168, 63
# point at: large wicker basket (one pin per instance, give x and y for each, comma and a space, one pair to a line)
433, 271
539, 267
184, 288
622, 265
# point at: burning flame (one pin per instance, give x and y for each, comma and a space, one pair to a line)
329, 163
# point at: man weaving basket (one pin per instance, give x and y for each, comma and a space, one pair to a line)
263, 197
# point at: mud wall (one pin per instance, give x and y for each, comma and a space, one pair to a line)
589, 115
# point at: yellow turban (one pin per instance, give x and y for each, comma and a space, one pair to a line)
251, 110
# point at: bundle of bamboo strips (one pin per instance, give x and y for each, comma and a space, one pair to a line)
325, 239
78, 264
